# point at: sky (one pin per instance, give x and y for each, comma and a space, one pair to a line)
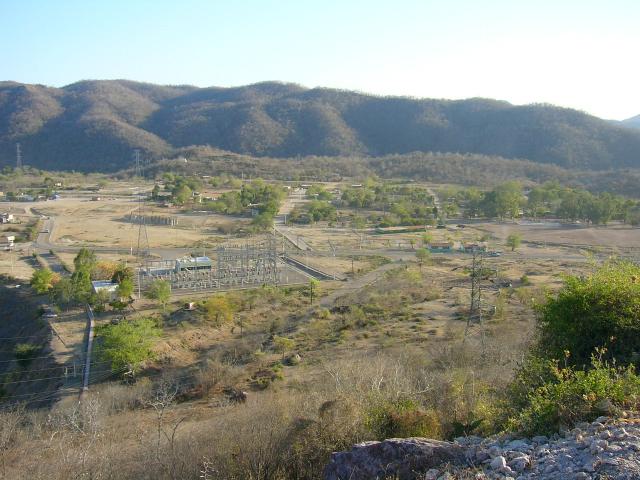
579, 54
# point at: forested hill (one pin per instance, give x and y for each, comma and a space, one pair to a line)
632, 122
95, 125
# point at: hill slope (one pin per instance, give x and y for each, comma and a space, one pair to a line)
94, 125
632, 122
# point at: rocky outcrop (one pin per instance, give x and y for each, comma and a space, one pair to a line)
606, 448
397, 458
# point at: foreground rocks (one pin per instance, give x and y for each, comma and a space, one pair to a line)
397, 458
602, 449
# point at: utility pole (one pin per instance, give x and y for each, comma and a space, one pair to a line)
142, 250
18, 156
136, 159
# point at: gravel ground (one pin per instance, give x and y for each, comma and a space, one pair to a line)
602, 449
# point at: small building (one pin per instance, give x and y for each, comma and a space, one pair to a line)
470, 247
9, 240
440, 247
193, 263
105, 286
6, 218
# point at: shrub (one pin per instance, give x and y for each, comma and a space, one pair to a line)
25, 353
602, 310
575, 395
402, 418
42, 280
160, 290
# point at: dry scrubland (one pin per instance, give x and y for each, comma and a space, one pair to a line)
387, 341
399, 340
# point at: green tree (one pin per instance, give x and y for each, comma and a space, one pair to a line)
182, 194
423, 256
504, 201
101, 299
127, 345
358, 222
81, 285
160, 290
314, 285
62, 292
42, 280
283, 345
121, 272
85, 260
262, 222
125, 289
219, 309
514, 240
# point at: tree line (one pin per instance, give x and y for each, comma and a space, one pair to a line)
552, 200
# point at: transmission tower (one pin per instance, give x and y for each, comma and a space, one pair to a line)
138, 163
142, 248
475, 318
18, 156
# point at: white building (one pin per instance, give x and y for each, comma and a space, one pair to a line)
107, 286
6, 218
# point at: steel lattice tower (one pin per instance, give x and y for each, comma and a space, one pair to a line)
475, 318
142, 248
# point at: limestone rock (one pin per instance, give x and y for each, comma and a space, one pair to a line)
403, 459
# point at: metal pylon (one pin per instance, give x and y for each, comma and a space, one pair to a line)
142, 246
475, 325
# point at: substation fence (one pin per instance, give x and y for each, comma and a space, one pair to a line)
235, 267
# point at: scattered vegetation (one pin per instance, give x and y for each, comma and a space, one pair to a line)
128, 344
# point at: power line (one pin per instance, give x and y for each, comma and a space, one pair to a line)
45, 378
21, 336
41, 396
78, 362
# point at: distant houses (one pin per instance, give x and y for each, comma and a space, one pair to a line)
441, 247
8, 241
7, 218
449, 247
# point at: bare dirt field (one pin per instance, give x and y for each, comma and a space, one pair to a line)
80, 221
615, 236
15, 265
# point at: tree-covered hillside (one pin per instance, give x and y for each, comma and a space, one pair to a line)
633, 122
94, 125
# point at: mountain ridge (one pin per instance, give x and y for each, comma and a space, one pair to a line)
95, 125
633, 122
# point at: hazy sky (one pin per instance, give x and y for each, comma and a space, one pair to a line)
581, 54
